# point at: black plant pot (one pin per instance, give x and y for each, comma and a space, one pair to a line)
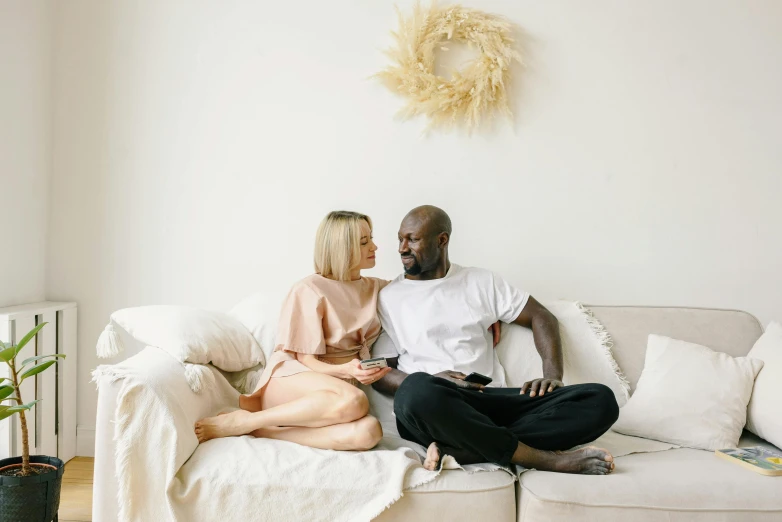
31, 499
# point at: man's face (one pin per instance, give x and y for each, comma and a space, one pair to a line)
418, 247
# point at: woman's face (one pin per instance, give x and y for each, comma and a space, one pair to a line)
368, 247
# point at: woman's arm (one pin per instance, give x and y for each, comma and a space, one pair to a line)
313, 363
351, 369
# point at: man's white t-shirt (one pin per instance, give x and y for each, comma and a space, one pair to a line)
442, 324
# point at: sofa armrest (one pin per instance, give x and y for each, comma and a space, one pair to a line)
147, 394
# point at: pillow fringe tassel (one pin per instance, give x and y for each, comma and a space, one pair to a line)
607, 343
109, 343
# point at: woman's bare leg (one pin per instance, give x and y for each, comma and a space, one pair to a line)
359, 435
307, 399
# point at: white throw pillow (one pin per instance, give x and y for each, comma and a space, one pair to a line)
192, 335
689, 395
260, 313
764, 415
586, 349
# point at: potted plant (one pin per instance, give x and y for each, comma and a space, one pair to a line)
29, 485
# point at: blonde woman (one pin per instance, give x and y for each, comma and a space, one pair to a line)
307, 393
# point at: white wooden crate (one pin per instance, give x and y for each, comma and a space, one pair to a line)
52, 422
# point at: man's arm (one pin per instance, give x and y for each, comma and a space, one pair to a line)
390, 382
545, 331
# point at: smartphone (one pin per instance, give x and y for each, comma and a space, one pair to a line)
477, 378
377, 362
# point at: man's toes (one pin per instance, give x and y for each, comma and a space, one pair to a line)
432, 457
599, 467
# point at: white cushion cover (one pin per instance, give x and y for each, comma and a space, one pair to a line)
689, 395
764, 414
259, 313
193, 335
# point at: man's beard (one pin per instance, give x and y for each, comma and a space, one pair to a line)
414, 269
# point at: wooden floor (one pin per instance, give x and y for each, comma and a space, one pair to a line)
76, 494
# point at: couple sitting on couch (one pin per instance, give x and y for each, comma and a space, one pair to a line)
437, 319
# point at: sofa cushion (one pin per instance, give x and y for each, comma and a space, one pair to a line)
458, 495
679, 484
763, 417
729, 331
690, 395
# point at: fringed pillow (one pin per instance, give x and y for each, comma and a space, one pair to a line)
193, 336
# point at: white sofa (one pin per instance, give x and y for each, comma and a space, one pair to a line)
679, 484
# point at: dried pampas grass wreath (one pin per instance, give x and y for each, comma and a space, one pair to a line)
474, 94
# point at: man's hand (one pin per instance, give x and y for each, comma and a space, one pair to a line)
541, 386
458, 379
495, 333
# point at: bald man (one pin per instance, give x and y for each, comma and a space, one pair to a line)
435, 318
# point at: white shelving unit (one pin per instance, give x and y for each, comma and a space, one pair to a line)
52, 422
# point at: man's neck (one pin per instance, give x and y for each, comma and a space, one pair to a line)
438, 272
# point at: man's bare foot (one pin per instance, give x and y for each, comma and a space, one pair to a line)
249, 403
224, 425
589, 460
432, 461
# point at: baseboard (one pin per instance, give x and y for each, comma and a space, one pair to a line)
85, 441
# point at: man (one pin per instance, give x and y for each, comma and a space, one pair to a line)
436, 317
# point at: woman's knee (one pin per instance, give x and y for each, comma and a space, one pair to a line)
351, 404
365, 433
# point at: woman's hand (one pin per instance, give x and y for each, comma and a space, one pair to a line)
353, 369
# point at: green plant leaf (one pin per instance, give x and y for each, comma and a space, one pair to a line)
5, 391
26, 339
38, 368
8, 354
7, 411
38, 358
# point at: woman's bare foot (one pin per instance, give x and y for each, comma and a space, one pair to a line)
589, 460
224, 425
432, 461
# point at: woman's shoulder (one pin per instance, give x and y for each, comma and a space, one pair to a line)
309, 285
378, 282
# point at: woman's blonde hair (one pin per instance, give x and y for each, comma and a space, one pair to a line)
338, 244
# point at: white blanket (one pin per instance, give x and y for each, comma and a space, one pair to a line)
164, 474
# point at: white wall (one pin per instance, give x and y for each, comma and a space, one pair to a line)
25, 148
198, 144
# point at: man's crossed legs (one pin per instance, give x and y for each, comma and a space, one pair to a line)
500, 425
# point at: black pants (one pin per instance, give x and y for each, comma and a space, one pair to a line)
487, 427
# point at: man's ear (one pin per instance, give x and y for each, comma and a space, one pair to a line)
442, 240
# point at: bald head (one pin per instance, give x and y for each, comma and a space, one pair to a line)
434, 219
423, 242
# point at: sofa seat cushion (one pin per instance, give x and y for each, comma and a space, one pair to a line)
458, 495
673, 485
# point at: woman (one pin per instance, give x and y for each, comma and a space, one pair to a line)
308, 392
